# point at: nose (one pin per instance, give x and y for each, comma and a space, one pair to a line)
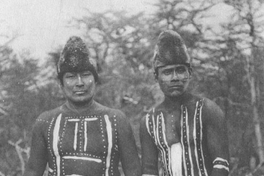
79, 81
175, 75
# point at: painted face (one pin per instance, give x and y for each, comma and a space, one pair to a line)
78, 87
173, 79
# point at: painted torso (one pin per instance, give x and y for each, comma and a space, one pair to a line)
82, 144
185, 127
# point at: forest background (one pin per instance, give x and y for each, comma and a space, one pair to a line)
228, 68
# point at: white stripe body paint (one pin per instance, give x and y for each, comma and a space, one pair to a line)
182, 142
218, 166
220, 159
55, 143
85, 131
176, 159
201, 139
147, 123
150, 119
188, 140
110, 145
166, 144
91, 119
192, 157
73, 120
154, 129
75, 136
82, 158
162, 150
50, 170
195, 142
85, 136
221, 166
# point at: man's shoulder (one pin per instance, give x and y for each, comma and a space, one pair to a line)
111, 112
48, 115
153, 112
206, 103
212, 111
44, 119
194, 99
210, 105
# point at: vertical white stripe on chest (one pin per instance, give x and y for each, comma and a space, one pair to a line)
75, 136
162, 142
85, 136
188, 140
110, 144
56, 141
198, 139
195, 138
176, 159
171, 155
185, 141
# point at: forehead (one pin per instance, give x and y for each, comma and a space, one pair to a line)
77, 72
175, 66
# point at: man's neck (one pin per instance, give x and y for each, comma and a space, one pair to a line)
80, 107
176, 101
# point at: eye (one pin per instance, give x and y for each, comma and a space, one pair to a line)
181, 70
167, 72
86, 74
69, 75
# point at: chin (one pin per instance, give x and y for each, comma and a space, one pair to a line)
81, 101
176, 94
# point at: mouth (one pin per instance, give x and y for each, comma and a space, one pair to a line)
79, 92
178, 87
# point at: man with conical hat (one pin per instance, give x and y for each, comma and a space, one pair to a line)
186, 132
81, 137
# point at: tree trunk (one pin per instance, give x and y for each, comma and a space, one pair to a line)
256, 119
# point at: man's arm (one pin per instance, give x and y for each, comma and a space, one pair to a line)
128, 149
217, 138
38, 153
149, 152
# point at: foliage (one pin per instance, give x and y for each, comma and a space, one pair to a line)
23, 100
122, 45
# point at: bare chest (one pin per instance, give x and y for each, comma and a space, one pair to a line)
85, 136
172, 127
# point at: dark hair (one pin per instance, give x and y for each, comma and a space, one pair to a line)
91, 69
156, 70
75, 58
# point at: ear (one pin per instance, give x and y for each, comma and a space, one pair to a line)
155, 76
59, 83
155, 73
190, 70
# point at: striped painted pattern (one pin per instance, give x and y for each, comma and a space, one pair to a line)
191, 158
56, 131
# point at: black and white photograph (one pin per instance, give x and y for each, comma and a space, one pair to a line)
132, 88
